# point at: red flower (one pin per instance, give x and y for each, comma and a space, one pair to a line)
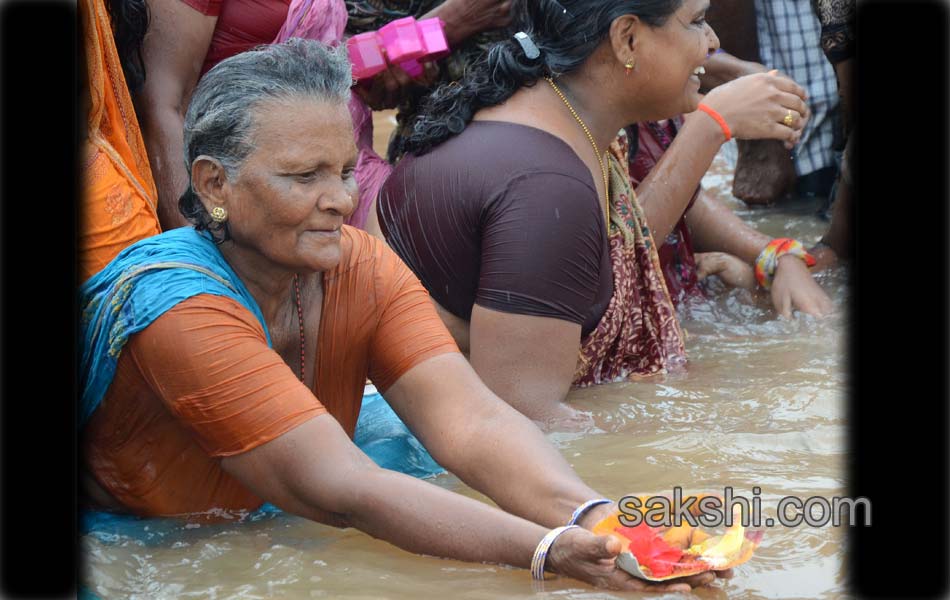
647, 545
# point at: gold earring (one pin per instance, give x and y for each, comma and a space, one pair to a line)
629, 66
219, 214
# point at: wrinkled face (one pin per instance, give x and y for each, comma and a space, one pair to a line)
670, 56
294, 190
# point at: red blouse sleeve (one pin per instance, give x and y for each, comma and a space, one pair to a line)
211, 8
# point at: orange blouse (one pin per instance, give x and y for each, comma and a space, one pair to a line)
200, 383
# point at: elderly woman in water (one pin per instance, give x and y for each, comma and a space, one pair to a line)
223, 363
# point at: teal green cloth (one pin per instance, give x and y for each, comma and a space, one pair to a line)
140, 284
386, 439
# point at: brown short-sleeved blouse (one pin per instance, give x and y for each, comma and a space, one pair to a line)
505, 216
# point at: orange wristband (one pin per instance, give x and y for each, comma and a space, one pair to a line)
718, 118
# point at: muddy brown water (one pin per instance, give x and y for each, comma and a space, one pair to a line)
761, 405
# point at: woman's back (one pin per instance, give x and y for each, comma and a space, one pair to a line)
504, 215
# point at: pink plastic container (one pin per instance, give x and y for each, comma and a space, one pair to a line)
404, 42
413, 68
366, 55
433, 38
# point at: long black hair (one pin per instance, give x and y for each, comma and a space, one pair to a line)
566, 32
129, 23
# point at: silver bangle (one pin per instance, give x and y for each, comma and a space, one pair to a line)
541, 552
583, 508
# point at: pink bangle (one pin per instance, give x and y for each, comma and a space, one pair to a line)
718, 118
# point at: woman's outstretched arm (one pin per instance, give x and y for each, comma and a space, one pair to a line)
314, 469
714, 227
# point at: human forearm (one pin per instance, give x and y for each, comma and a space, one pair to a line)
485, 442
316, 472
457, 29
163, 129
714, 227
507, 448
748, 106
666, 191
465, 18
427, 519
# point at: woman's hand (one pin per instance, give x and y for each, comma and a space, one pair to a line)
387, 89
465, 18
793, 286
755, 106
590, 558
731, 269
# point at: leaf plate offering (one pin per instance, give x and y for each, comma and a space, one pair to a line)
661, 552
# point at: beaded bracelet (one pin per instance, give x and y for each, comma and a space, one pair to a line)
541, 552
767, 261
583, 508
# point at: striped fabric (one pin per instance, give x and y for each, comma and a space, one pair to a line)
790, 40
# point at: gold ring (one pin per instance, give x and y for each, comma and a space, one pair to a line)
789, 119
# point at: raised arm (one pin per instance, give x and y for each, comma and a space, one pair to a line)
465, 18
753, 106
174, 51
722, 67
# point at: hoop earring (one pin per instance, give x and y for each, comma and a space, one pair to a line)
219, 214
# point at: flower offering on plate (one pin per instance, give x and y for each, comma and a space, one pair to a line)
656, 548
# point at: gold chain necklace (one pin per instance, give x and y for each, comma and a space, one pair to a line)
590, 137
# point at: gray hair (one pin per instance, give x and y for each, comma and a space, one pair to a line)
220, 118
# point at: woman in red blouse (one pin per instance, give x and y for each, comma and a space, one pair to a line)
188, 37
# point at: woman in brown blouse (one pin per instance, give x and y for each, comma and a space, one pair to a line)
523, 227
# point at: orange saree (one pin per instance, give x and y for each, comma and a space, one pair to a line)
118, 205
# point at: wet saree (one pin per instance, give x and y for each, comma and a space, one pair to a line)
639, 334
676, 252
140, 285
118, 205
